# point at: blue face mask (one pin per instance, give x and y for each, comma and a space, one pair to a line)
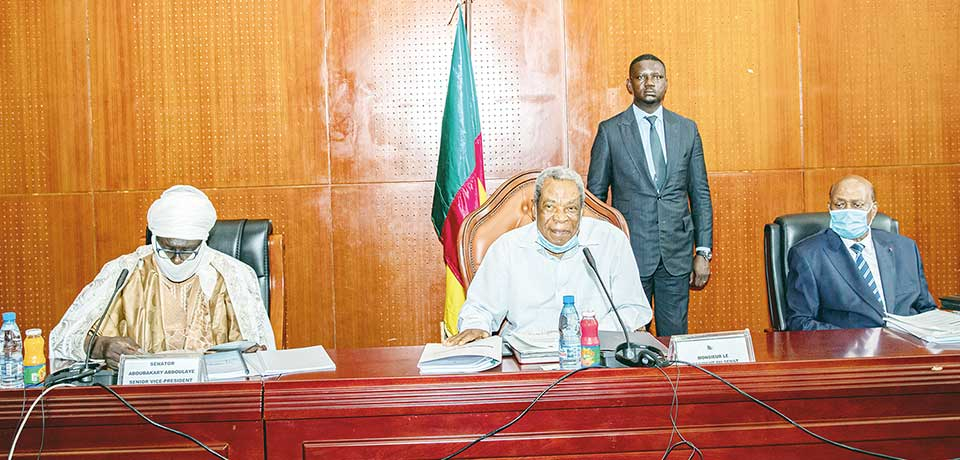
546, 244
850, 223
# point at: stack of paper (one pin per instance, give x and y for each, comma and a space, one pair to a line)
225, 365
535, 348
290, 361
475, 356
935, 326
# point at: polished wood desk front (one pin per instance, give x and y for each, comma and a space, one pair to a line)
90, 423
871, 388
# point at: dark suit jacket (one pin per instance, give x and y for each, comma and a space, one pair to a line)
665, 225
825, 291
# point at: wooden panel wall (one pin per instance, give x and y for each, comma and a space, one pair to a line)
325, 117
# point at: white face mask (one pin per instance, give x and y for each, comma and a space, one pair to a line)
183, 271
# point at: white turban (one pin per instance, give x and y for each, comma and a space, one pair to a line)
182, 212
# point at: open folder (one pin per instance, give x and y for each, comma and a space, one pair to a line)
475, 356
290, 361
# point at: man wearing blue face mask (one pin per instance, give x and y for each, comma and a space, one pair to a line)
527, 271
850, 276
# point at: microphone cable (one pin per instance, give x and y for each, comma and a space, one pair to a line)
674, 410
517, 418
23, 423
784, 417
158, 425
674, 413
16, 437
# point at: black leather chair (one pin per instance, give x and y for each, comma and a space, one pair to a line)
783, 234
245, 240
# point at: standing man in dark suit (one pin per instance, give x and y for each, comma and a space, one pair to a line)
652, 161
850, 275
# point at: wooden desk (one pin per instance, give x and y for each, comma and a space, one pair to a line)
90, 423
870, 388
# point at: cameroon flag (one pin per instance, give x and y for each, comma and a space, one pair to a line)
460, 184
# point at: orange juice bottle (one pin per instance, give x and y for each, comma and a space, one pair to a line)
34, 361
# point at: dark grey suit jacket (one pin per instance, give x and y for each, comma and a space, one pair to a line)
825, 291
665, 225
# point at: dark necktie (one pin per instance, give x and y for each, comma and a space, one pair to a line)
656, 150
865, 272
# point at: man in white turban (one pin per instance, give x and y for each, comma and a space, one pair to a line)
180, 294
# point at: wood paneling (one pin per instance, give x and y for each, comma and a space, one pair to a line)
389, 277
735, 297
301, 214
44, 117
880, 82
47, 244
923, 199
207, 92
389, 64
731, 67
105, 103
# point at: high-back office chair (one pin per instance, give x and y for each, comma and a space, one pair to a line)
511, 206
783, 234
253, 242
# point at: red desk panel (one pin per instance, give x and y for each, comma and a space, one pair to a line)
870, 388
91, 423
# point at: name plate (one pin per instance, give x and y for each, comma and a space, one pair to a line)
163, 368
713, 348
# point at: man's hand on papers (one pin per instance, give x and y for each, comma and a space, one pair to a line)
465, 337
110, 349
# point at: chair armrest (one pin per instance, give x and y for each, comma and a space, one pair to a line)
278, 308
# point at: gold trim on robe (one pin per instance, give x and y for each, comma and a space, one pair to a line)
161, 315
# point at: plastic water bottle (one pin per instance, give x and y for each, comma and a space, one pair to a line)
11, 370
569, 335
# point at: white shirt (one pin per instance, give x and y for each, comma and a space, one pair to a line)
870, 256
520, 281
644, 127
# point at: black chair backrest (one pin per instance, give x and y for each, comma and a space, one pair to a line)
783, 234
246, 241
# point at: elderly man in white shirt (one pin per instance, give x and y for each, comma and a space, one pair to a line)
527, 271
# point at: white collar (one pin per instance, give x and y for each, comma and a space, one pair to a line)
867, 242
641, 115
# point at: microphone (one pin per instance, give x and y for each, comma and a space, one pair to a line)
86, 370
627, 353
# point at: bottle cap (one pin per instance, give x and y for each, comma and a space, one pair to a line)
567, 299
35, 331
585, 313
9, 316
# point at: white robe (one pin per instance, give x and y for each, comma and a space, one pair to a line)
66, 339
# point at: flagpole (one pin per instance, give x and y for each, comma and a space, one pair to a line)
467, 18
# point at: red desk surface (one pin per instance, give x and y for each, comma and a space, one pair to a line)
872, 388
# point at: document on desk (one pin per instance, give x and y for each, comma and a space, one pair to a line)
226, 365
475, 356
535, 348
935, 326
290, 361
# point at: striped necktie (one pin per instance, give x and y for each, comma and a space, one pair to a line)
865, 272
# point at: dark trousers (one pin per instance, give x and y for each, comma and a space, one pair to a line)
669, 295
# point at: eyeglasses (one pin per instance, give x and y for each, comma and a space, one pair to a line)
184, 255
